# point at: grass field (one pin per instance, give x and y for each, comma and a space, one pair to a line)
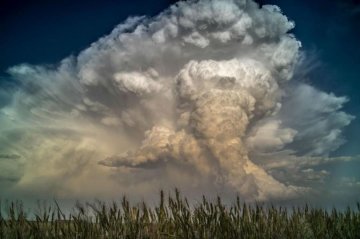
173, 217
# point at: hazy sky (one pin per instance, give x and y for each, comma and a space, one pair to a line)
281, 131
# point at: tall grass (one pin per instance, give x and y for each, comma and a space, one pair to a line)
173, 217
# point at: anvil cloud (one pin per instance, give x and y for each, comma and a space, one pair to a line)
201, 97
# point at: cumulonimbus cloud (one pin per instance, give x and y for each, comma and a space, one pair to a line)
192, 98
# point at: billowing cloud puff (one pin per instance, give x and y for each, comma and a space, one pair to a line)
192, 98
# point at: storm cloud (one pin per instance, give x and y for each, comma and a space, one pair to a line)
192, 98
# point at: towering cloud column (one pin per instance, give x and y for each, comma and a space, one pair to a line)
192, 98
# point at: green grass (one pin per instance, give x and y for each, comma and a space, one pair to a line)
173, 217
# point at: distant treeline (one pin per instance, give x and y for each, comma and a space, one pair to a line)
173, 217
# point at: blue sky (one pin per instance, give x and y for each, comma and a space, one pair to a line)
331, 31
